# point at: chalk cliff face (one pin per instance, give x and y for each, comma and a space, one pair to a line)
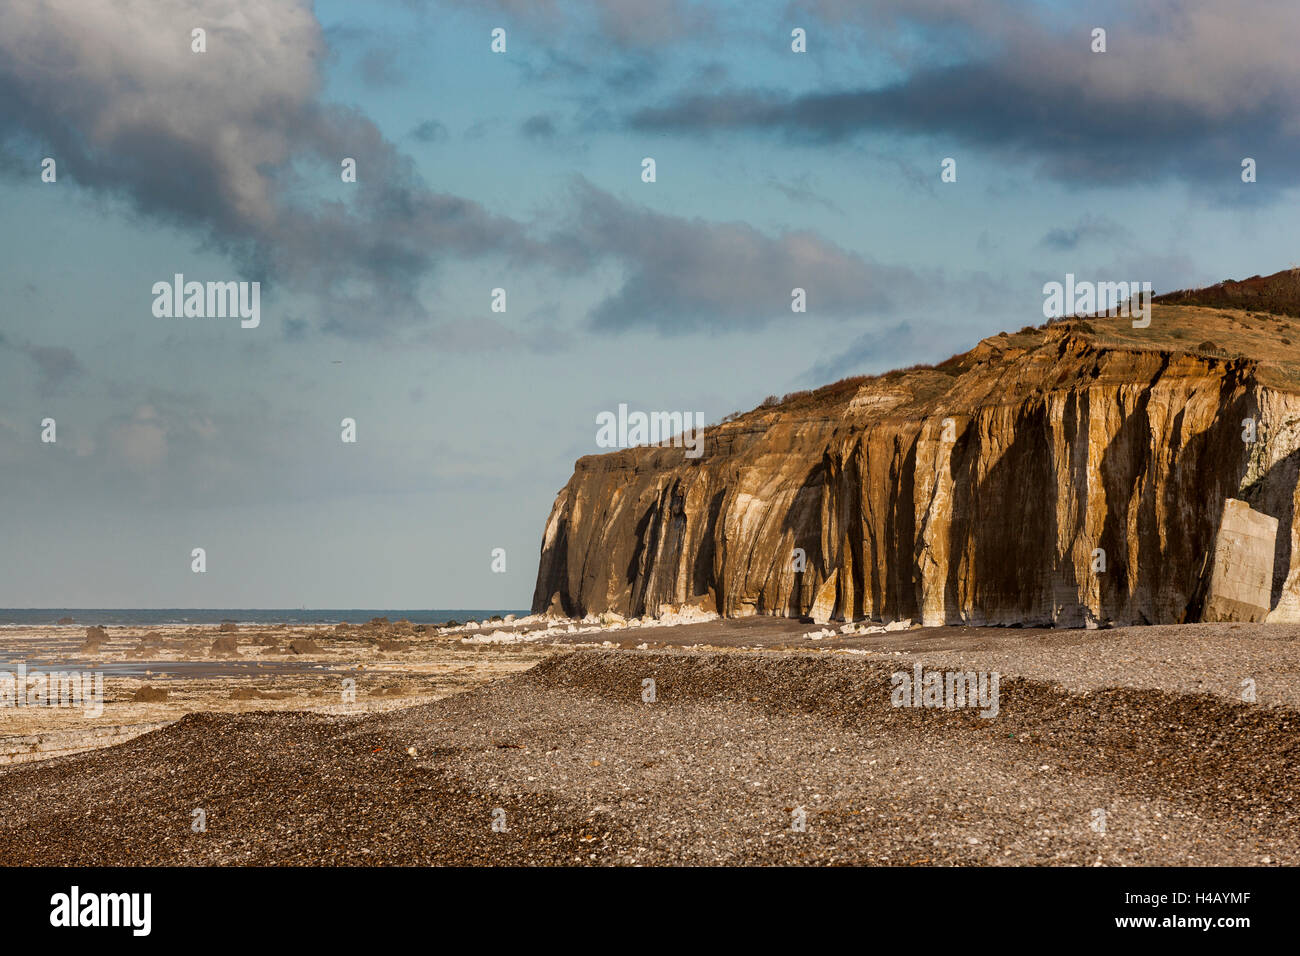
1074, 475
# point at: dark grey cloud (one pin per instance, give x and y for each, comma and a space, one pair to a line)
1076, 136
431, 131
1185, 95
540, 127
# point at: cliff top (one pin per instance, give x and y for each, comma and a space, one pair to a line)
1270, 341
1252, 326
1254, 323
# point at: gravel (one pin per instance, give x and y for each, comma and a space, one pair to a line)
741, 758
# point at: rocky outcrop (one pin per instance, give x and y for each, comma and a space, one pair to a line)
1073, 475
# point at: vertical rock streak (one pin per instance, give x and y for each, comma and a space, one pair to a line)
978, 492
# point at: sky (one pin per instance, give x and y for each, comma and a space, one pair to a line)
522, 170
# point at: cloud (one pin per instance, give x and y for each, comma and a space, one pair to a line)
54, 364
378, 67
630, 24
1089, 229
800, 192
235, 144
431, 131
683, 275
1183, 91
867, 354
540, 127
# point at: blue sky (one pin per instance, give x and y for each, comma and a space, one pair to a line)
522, 170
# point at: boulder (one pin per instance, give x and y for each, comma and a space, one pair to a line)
824, 604
1241, 573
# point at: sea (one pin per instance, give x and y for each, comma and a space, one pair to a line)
149, 616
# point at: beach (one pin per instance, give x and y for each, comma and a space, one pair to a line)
541, 742
156, 674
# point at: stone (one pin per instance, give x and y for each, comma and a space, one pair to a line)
555, 609
1241, 578
824, 604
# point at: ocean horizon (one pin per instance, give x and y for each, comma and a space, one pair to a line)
141, 617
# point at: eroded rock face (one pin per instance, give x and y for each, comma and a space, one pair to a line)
1050, 477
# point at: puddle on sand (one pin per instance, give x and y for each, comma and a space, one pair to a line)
172, 670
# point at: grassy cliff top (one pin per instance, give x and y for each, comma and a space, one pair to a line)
1269, 340
1256, 320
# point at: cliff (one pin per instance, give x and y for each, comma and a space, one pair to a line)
1074, 474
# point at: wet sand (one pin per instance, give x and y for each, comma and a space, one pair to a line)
153, 676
